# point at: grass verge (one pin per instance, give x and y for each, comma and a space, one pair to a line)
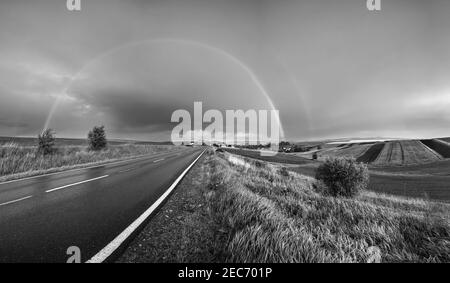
233, 209
17, 162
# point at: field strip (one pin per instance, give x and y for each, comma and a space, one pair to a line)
89, 167
75, 184
14, 201
107, 251
432, 151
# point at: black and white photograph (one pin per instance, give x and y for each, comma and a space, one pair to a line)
224, 136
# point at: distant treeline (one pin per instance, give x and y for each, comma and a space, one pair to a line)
288, 147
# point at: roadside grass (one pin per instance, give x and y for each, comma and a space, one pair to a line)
24, 161
270, 217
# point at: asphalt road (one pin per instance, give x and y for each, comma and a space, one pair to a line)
40, 218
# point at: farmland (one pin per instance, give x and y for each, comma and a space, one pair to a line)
351, 150
431, 182
278, 158
405, 153
428, 180
440, 146
391, 153
371, 154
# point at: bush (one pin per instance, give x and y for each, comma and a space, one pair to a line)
97, 138
283, 172
259, 164
46, 142
343, 177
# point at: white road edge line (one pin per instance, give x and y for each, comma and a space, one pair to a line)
74, 184
14, 201
103, 254
85, 168
158, 160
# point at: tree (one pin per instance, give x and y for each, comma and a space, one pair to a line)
46, 142
97, 138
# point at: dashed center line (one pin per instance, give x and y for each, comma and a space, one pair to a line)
14, 201
126, 170
74, 184
158, 160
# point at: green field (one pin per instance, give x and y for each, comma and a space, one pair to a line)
371, 154
440, 146
430, 180
278, 158
406, 153
351, 150
392, 153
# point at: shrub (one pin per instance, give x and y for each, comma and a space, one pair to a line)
283, 172
343, 177
97, 138
259, 164
46, 142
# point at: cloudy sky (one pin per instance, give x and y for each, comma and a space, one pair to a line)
332, 68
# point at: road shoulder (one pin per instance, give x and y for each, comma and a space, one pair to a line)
182, 231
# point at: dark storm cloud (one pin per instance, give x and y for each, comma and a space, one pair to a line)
131, 109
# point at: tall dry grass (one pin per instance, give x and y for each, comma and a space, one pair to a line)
16, 159
270, 217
